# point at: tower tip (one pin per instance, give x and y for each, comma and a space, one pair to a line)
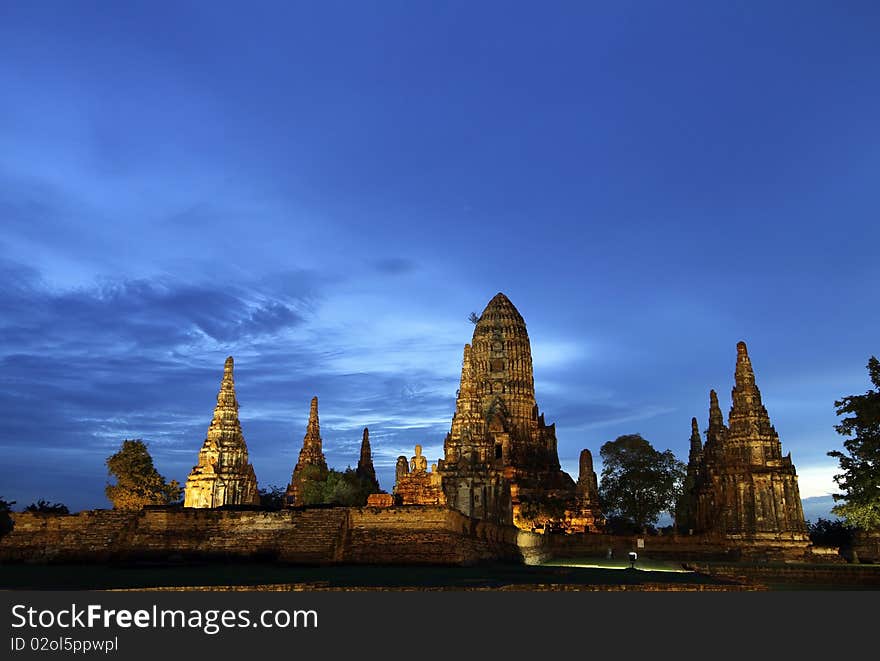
741, 348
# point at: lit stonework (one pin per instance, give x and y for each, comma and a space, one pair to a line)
499, 454
584, 515
311, 455
415, 484
745, 487
223, 475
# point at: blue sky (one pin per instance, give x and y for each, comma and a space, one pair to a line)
326, 190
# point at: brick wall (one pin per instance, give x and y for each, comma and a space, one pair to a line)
394, 535
677, 547
429, 535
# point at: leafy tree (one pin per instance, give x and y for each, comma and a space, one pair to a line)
859, 480
5, 519
272, 496
138, 483
638, 482
311, 485
45, 507
831, 533
619, 525
334, 487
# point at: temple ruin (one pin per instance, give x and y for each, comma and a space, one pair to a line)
744, 488
311, 464
365, 469
501, 462
414, 484
223, 475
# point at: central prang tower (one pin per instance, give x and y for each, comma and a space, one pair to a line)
500, 456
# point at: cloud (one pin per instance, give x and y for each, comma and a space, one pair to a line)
83, 368
140, 313
817, 479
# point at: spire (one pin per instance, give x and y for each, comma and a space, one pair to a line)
365, 446
696, 443
225, 428
311, 454
223, 475
365, 469
312, 451
716, 418
716, 431
467, 387
500, 309
748, 416
313, 430
587, 483
745, 375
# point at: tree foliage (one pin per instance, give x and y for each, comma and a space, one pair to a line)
859, 478
45, 507
5, 519
138, 483
826, 532
334, 487
638, 482
272, 496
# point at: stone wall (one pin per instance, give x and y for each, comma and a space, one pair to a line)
171, 534
410, 535
866, 547
372, 535
677, 547
823, 576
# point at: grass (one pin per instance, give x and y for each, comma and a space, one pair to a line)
79, 577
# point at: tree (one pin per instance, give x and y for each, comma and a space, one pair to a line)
859, 479
5, 519
473, 317
334, 487
638, 482
45, 507
830, 533
272, 496
138, 483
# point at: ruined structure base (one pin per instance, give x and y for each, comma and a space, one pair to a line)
370, 535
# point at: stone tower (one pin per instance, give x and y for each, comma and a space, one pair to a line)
585, 516
499, 452
588, 483
365, 469
746, 488
311, 463
685, 511
223, 475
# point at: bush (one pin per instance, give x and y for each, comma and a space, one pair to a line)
831, 533
45, 507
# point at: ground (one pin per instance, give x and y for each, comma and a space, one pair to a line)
570, 574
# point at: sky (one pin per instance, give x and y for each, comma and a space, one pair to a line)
326, 191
